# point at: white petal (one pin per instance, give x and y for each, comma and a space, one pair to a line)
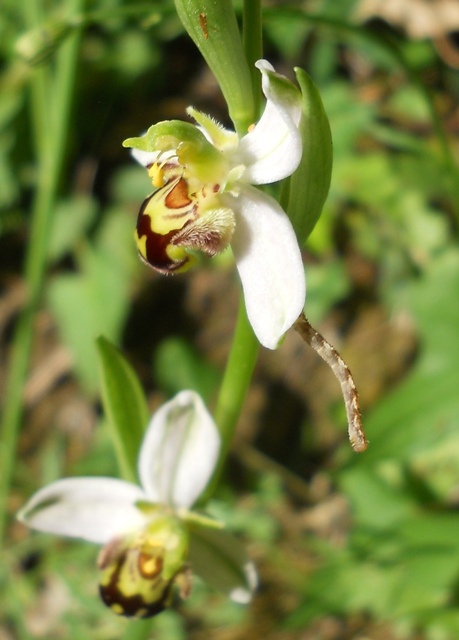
220, 559
269, 263
272, 150
95, 509
179, 452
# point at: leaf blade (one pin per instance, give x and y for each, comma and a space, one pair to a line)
124, 404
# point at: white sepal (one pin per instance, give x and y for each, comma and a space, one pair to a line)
179, 451
92, 508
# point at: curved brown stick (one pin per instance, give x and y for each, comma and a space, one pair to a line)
342, 372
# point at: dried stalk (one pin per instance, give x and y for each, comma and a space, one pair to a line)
342, 372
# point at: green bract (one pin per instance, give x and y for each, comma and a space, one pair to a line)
213, 27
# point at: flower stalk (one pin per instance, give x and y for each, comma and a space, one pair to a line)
329, 354
234, 387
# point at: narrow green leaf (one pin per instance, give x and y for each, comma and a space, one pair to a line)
308, 186
125, 406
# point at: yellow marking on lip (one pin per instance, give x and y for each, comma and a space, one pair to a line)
150, 566
141, 245
117, 608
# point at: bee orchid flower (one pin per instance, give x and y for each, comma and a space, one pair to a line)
151, 539
206, 198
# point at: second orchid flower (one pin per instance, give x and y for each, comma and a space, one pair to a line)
152, 541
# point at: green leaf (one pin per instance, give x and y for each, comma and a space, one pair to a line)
408, 538
374, 502
422, 411
425, 580
308, 186
125, 405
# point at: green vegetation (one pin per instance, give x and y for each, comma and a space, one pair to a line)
347, 546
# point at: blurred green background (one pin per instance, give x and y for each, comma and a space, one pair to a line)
347, 546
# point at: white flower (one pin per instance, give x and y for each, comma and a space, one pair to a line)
206, 200
147, 531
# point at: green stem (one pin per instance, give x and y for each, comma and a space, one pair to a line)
235, 384
252, 41
50, 101
244, 350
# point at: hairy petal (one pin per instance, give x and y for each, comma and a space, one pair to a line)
95, 509
179, 451
272, 150
269, 263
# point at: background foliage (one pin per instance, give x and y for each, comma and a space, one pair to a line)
347, 546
